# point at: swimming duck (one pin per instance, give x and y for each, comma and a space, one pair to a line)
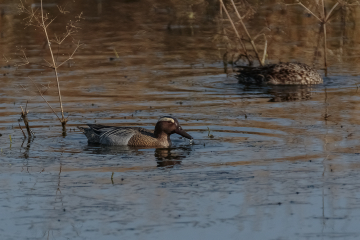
135, 136
280, 74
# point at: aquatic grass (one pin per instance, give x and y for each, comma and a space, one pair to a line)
112, 178
36, 17
116, 53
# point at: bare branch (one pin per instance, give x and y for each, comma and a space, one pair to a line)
262, 32
25, 60
50, 65
265, 49
42, 96
329, 14
50, 22
71, 56
69, 31
79, 17
62, 9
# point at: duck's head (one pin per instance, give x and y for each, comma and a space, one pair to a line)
169, 125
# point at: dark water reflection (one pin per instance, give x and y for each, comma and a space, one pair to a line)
284, 93
165, 157
287, 168
170, 157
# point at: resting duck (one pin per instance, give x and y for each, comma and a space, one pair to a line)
135, 136
279, 74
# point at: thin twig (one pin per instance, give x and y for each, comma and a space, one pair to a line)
70, 57
41, 95
62, 9
329, 14
50, 22
265, 50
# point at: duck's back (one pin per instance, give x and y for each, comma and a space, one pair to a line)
111, 135
280, 74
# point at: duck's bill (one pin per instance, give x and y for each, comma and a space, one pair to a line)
183, 133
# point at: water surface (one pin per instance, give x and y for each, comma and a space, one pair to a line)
283, 162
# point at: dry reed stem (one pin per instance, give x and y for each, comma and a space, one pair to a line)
323, 19
236, 32
54, 63
40, 19
248, 34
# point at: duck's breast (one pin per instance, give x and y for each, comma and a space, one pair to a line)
145, 139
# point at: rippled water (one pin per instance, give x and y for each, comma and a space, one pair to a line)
275, 168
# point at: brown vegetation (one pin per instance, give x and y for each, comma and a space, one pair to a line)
36, 17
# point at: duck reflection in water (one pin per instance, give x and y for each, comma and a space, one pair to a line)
283, 93
290, 93
165, 157
169, 157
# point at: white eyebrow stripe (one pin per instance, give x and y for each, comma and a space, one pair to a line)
166, 119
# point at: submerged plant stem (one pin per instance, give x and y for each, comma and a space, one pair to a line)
26, 121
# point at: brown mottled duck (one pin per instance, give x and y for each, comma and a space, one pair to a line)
279, 74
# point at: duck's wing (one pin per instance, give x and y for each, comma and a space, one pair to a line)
111, 135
